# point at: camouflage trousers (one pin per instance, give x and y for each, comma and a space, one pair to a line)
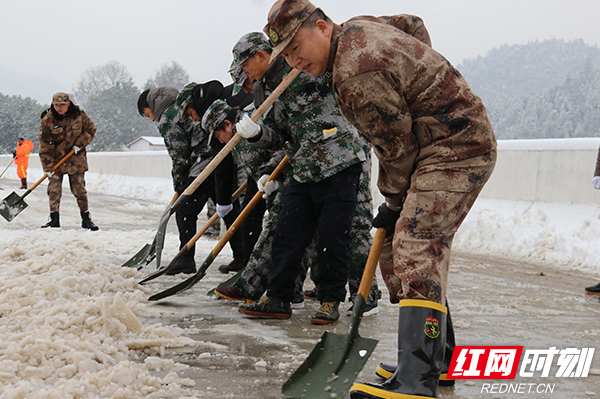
415, 260
77, 184
255, 277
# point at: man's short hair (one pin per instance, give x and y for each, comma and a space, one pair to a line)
143, 102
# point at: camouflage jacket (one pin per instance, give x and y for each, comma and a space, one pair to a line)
186, 141
307, 123
58, 135
407, 100
256, 161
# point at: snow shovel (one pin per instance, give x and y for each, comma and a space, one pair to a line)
4, 171
12, 205
148, 252
162, 225
190, 282
184, 250
331, 367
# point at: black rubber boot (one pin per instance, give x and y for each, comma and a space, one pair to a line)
594, 289
86, 221
421, 343
54, 220
386, 370
24, 183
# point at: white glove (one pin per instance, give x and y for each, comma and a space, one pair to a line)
247, 128
268, 188
596, 182
76, 148
223, 210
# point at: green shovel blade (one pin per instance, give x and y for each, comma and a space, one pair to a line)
11, 206
332, 366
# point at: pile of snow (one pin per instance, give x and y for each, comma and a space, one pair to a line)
69, 323
562, 235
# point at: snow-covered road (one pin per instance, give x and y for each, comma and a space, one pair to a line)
74, 324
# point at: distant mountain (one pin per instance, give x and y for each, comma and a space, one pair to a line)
15, 83
516, 70
548, 89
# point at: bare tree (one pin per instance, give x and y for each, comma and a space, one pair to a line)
169, 75
97, 79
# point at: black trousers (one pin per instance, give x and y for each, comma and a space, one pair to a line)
326, 207
187, 217
252, 225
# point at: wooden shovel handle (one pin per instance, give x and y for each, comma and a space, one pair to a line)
371, 266
53, 169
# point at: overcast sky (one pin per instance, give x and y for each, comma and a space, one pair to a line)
61, 39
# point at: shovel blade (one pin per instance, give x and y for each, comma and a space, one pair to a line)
11, 206
142, 258
331, 367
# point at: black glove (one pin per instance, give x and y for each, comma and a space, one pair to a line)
14, 153
386, 218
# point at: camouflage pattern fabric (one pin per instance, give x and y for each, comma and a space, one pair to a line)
58, 135
77, 184
434, 141
186, 142
307, 118
247, 46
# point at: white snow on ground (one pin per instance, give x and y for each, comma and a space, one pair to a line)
564, 235
69, 314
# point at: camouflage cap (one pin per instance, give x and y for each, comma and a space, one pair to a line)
285, 18
60, 98
247, 46
214, 116
239, 77
184, 99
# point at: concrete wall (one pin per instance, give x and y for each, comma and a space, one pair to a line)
557, 170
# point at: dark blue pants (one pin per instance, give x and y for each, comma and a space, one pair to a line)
326, 207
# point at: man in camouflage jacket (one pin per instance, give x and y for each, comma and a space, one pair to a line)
187, 145
436, 150
326, 156
65, 127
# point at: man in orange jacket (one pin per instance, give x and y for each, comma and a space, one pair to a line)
21, 155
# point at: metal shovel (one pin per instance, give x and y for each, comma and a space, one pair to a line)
14, 204
332, 366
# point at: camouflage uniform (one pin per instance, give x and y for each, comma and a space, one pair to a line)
431, 133
58, 135
187, 145
324, 150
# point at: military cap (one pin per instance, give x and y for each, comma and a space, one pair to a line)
215, 115
60, 98
184, 99
247, 46
239, 77
284, 20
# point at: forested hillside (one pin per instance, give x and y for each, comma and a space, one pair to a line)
548, 89
543, 89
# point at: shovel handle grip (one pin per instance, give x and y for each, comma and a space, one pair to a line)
371, 266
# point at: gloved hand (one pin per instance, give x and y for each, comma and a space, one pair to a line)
223, 210
268, 188
386, 218
14, 153
76, 148
247, 128
596, 182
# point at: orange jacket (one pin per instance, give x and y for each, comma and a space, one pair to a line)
23, 151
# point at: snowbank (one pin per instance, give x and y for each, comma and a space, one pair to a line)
69, 323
